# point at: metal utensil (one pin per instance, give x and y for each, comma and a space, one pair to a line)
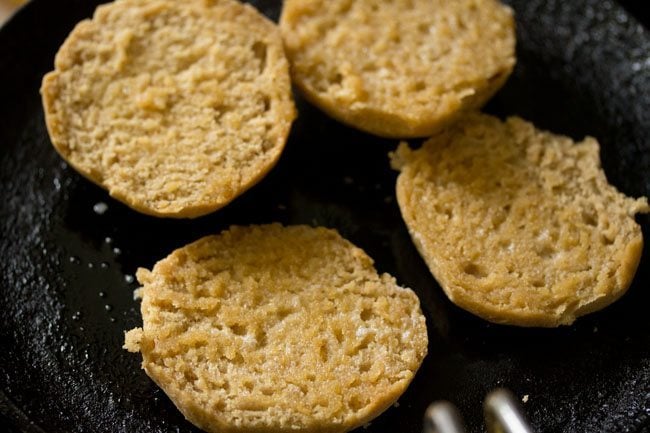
502, 413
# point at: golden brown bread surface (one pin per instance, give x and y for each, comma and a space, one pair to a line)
518, 225
277, 329
175, 107
398, 68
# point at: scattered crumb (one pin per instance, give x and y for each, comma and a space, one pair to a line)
525, 398
100, 208
132, 340
396, 404
348, 180
282, 207
595, 329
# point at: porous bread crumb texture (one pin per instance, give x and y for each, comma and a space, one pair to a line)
518, 225
277, 329
175, 107
398, 68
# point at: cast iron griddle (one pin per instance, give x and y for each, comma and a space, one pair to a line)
65, 270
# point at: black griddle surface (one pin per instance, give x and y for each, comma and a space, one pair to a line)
65, 270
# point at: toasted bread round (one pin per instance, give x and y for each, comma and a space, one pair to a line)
175, 107
277, 329
398, 68
518, 225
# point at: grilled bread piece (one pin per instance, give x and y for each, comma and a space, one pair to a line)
518, 225
277, 329
174, 107
398, 68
